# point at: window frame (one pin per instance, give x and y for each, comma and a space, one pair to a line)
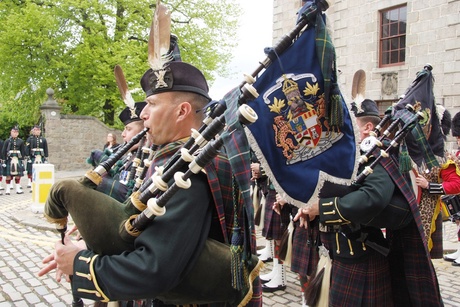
390, 37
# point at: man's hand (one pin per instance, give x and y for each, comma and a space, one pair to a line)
255, 171
422, 182
278, 204
62, 258
307, 214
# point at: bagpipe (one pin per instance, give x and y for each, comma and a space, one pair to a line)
118, 224
389, 141
110, 227
401, 125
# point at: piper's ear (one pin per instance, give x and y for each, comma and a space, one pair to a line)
368, 127
184, 109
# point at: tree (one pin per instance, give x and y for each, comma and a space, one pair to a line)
72, 46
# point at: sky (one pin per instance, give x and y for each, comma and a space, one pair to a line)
254, 34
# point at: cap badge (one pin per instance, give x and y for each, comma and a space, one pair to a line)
160, 74
133, 113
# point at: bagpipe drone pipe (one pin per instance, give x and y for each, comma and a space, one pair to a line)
110, 227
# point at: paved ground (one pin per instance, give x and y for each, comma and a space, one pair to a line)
26, 238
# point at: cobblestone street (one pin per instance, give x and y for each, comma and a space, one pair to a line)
26, 238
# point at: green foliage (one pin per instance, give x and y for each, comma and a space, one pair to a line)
72, 47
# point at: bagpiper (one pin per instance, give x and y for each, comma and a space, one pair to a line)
115, 184
13, 153
36, 151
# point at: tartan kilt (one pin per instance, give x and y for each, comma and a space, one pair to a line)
411, 269
364, 283
274, 224
304, 258
7, 169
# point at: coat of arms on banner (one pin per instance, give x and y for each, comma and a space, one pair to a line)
300, 127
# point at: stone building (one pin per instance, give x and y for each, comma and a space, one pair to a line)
391, 41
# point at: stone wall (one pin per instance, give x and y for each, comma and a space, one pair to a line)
71, 138
284, 17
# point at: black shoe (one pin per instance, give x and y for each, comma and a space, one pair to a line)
448, 259
273, 289
264, 281
20, 192
266, 260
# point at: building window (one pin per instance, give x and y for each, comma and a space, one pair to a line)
393, 36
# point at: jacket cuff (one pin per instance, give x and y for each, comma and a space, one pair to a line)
329, 212
435, 188
84, 282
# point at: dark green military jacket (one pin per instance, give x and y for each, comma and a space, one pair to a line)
355, 219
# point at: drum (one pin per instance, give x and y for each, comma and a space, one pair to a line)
452, 203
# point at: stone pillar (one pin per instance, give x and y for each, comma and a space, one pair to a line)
50, 108
51, 114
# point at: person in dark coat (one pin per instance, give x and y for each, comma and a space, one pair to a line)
166, 251
111, 145
36, 151
12, 155
369, 268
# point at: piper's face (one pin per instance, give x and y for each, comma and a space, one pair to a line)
131, 130
160, 115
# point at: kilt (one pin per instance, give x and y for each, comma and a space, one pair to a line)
304, 259
412, 281
7, 169
365, 283
274, 224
